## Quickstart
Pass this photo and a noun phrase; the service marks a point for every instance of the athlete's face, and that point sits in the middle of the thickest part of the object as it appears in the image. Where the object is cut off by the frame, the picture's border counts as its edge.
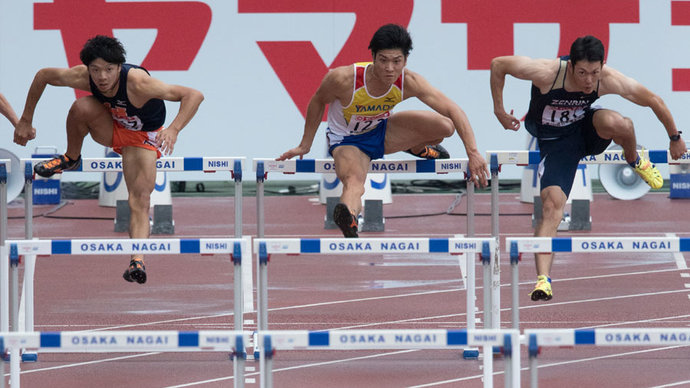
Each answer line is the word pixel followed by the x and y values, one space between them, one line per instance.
pixel 105 75
pixel 586 75
pixel 389 64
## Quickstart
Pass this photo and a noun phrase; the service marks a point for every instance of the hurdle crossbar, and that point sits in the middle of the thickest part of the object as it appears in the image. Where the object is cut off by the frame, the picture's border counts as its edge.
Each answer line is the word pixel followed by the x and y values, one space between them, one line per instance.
pixel 262 166
pixel 343 246
pixel 236 248
pixel 127 341
pixel 516 246
pixel 536 338
pixel 524 158
pixel 509 340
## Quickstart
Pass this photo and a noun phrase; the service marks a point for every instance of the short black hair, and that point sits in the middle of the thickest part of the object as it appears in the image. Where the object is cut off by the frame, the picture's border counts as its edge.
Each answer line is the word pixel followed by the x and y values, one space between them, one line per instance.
pixel 391 36
pixel 587 48
pixel 105 47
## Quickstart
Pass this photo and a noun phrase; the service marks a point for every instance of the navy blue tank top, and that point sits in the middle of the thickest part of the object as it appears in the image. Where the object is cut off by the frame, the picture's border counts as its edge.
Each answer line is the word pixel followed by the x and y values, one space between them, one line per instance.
pixel 558 112
pixel 149 117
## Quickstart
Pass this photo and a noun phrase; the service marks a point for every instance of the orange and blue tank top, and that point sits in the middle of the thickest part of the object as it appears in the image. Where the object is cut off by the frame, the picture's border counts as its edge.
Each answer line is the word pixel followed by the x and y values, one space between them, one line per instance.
pixel 364 112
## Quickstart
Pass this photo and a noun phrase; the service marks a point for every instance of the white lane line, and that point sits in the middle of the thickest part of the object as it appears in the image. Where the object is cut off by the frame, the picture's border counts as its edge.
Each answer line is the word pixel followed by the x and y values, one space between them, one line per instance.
pixel 86 363
pixel 676 384
pixel 678 256
pixel 299 367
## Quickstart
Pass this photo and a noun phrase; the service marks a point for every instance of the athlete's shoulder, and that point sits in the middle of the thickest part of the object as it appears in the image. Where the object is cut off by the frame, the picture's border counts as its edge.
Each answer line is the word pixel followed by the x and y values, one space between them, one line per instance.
pixel 341 76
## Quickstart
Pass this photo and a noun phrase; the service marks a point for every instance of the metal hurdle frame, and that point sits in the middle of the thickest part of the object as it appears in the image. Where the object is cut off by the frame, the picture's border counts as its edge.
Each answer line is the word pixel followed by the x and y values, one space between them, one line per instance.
pixel 536 338
pixel 524 158
pixel 267 246
pixel 5 170
pixel 262 166
pixel 236 247
pixel 509 340
pixel 126 341
pixel 516 246
pixel 114 164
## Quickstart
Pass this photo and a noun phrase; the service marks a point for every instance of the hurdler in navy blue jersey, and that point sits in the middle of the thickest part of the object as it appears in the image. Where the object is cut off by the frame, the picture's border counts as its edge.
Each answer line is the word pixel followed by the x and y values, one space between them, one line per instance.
pixel 149 117
pixel 125 112
pixel 568 128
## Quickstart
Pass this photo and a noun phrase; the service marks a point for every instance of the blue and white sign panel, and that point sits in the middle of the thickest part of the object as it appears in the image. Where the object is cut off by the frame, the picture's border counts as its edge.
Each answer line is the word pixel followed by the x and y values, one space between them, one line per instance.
pixel 8 165
pixel 292 166
pixel 385 339
pixel 600 244
pixel 124 246
pixel 523 158
pixel 611 337
pixel 125 341
pixel 207 164
pixel 373 245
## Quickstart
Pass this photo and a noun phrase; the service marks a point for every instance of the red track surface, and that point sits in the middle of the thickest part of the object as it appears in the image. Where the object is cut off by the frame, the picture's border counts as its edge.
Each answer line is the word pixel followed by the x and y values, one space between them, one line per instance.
pixel 191 292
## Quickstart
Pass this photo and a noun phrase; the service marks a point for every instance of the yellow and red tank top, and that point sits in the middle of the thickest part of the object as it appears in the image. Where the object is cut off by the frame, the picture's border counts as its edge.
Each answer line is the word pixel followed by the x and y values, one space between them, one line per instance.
pixel 365 112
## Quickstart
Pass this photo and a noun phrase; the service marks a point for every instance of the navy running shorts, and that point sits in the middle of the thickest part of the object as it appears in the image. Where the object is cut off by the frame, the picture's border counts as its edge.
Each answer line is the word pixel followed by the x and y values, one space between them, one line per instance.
pixel 561 156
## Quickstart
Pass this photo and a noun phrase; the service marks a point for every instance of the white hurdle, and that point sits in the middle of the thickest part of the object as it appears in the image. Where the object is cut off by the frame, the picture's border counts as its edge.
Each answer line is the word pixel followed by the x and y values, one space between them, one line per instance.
pixel 262 166
pixel 339 246
pixel 233 165
pixel 523 158
pixel 516 246
pixel 509 340
pixel 237 248
pixel 536 338
pixel 126 341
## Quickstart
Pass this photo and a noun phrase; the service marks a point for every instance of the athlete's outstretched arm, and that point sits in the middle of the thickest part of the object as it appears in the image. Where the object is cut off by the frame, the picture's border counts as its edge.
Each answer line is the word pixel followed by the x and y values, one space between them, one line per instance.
pixel 539 71
pixel 327 92
pixel 418 86
pixel 76 77
pixel 614 82
pixel 141 87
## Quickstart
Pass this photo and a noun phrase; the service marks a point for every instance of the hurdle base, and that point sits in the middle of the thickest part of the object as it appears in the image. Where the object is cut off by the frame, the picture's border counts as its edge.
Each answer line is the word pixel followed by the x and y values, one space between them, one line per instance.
pixel 29 357
pixel 470 354
pixel 373 216
pixel 121 216
pixel 579 220
pixel 328 222
pixel 163 222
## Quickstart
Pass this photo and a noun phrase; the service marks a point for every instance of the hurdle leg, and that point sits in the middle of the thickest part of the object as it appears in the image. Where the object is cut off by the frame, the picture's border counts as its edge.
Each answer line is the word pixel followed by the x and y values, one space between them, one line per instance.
pixel 470 209
pixel 4 260
pixel 471 285
pixel 486 267
pixel 14 367
pixel 237 292
pixel 470 352
pixel 239 359
pixel 238 200
pixel 495 282
pixel 488 366
pixel 5 287
pixel 14 285
pixel 260 199
pixel 514 287
pixel 28 292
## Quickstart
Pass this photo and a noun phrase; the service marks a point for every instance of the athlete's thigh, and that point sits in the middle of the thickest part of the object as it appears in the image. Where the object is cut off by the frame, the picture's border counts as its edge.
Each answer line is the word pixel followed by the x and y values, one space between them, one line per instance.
pixel 413 127
pixel 139 169
pixel 350 163
pixel 90 112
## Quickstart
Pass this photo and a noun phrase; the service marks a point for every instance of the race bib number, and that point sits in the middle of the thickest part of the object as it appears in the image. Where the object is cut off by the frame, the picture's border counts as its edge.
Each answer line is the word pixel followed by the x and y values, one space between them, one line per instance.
pixel 133 123
pixel 363 124
pixel 562 116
